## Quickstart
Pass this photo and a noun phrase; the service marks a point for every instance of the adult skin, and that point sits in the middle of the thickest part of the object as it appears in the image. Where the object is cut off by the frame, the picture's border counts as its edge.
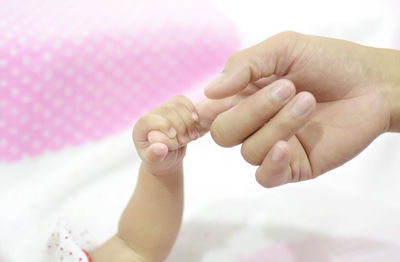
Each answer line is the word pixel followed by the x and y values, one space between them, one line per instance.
pixel 319 103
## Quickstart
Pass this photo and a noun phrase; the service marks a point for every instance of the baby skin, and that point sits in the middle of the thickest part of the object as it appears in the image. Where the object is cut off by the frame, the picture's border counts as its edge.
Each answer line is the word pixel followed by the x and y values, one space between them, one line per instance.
pixel 150 223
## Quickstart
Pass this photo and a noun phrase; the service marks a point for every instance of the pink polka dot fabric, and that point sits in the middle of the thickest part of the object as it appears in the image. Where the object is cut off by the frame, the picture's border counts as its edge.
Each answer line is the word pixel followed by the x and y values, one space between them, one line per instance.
pixel 73 71
pixel 68 245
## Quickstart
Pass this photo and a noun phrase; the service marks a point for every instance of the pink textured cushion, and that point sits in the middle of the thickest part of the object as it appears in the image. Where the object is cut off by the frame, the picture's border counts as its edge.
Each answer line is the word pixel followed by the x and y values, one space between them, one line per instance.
pixel 72 71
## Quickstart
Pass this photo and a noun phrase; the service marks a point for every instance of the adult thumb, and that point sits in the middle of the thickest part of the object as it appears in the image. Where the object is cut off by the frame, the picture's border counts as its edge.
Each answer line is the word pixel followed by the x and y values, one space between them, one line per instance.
pixel 270 57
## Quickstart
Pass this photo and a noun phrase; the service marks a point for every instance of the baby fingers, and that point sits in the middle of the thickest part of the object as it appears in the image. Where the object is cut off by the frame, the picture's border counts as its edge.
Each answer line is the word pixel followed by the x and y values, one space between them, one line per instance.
pixel 155 152
pixel 174 124
pixel 182 115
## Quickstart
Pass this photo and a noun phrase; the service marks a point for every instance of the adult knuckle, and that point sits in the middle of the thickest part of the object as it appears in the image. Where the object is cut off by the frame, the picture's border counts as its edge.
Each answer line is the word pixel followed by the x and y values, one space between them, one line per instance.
pixel 247 61
pixel 254 66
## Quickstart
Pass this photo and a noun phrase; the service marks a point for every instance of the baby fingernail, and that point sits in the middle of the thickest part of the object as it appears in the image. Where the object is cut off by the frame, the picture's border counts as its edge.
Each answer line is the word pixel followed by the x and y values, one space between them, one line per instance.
pixel 195 116
pixel 281 92
pixel 172 132
pixel 303 105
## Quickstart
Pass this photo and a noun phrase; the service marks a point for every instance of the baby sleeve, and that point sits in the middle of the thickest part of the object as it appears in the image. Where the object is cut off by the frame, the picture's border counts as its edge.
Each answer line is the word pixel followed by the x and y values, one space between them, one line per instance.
pixel 63 245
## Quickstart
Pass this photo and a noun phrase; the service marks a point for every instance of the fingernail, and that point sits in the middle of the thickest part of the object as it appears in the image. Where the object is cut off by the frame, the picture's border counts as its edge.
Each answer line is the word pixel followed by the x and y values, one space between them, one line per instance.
pixel 172 132
pixel 277 155
pixel 195 116
pixel 303 105
pixel 281 92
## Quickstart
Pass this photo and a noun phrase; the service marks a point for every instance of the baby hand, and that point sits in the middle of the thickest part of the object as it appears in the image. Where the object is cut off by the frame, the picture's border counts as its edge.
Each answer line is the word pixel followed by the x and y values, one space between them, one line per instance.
pixel 160 136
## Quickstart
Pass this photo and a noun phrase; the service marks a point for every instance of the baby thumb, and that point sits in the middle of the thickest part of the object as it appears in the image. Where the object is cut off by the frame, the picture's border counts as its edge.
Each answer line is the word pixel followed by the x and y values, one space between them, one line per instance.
pixel 156 152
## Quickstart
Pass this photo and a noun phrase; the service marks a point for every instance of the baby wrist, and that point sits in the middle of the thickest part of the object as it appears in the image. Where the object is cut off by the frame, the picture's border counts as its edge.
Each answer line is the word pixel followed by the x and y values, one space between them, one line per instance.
pixel 163 169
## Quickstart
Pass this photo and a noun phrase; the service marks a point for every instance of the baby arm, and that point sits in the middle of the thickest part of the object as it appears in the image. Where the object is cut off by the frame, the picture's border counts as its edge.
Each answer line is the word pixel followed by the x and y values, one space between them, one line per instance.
pixel 150 223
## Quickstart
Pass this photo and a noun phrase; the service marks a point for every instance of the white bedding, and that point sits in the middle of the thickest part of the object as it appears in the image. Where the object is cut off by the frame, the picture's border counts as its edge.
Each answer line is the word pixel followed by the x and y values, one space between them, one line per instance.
pixel 350 214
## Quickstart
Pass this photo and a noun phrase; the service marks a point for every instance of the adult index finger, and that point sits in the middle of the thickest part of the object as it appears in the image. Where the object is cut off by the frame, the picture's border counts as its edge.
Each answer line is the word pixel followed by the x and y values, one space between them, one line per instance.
pixel 235 125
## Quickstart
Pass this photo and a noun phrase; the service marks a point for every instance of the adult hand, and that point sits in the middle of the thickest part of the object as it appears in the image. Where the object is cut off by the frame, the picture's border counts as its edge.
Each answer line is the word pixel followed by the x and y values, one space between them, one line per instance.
pixel 320 102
